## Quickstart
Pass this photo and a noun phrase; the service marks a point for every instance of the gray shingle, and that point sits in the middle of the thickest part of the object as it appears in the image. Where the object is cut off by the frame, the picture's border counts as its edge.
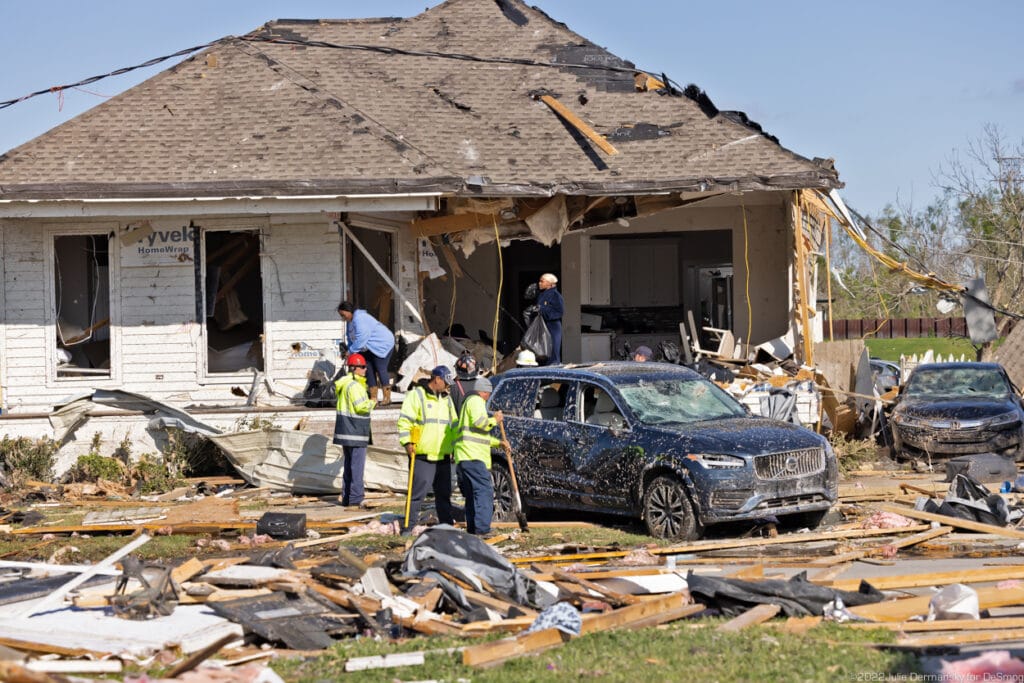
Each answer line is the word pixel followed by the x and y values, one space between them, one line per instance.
pixel 252 117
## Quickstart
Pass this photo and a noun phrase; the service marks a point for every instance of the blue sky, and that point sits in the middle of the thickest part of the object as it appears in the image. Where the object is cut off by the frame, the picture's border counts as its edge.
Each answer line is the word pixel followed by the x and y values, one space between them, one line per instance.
pixel 888 89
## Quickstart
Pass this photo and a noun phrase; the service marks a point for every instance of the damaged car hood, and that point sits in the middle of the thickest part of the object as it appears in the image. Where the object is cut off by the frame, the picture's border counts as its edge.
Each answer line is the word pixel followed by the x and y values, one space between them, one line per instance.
pixel 960 408
pixel 740 436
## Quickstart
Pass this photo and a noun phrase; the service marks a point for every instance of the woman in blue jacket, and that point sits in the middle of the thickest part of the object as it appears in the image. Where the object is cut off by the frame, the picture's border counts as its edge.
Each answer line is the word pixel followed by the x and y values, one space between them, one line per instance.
pixel 371 338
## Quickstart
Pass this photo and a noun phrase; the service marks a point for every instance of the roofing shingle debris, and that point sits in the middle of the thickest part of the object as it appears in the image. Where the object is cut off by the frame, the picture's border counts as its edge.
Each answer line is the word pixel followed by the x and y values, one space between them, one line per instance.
pixel 399 105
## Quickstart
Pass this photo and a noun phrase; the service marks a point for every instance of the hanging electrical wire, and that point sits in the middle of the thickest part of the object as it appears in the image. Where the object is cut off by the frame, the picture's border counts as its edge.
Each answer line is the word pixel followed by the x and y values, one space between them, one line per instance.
pixel 117 72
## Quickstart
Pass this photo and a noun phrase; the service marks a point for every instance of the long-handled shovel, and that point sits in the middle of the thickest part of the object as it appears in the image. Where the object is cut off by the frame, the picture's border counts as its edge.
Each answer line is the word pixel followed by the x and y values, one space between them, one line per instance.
pixel 517 504
pixel 414 439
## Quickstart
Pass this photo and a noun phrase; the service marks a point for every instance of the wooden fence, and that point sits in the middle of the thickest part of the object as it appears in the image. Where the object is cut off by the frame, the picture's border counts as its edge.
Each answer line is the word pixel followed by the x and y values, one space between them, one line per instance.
pixel 897 328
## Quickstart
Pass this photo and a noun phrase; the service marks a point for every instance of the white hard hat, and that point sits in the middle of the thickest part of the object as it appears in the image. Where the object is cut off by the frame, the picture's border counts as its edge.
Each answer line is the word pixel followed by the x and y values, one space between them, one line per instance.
pixel 526 358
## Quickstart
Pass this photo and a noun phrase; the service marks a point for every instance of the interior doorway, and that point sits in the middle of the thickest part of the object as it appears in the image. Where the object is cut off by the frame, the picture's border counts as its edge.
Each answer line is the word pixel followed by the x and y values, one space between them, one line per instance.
pixel 233 300
pixel 364 286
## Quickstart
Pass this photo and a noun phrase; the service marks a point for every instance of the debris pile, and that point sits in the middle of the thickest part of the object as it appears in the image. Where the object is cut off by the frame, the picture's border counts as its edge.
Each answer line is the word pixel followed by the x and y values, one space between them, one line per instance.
pixel 243 598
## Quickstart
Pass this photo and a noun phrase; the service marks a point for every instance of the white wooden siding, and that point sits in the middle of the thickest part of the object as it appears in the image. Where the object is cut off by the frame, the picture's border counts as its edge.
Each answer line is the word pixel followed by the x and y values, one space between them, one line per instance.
pixel 160 344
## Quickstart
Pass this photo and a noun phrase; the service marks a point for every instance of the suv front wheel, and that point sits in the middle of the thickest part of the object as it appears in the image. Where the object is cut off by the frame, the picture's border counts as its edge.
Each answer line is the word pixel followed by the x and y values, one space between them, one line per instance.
pixel 502 480
pixel 667 511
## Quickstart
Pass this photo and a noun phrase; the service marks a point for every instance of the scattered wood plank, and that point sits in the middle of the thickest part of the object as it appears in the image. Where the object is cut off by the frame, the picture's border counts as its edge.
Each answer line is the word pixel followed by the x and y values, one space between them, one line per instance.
pixel 643 614
pixel 384 661
pixel 197 658
pixel 579 124
pixel 187 570
pixel 966 576
pixel 752 617
pixel 876 550
pixel 903 609
pixel 952 521
pixel 478 599
pixel 963 638
pixel 754 571
pixel 990 624
pixel 494 653
pixel 614 596
pixel 725 544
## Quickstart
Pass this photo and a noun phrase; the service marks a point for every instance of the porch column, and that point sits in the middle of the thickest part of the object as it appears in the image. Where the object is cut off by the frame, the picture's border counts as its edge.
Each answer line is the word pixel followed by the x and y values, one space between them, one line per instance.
pixel 572 286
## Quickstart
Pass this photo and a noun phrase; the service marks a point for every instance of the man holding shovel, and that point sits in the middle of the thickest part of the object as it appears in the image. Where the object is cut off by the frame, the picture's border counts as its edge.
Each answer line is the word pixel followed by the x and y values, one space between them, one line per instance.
pixel 473 444
pixel 425 431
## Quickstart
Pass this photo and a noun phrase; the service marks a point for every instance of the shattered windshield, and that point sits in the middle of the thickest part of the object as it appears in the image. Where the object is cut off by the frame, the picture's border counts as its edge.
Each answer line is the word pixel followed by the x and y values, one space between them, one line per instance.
pixel 672 401
pixel 961 382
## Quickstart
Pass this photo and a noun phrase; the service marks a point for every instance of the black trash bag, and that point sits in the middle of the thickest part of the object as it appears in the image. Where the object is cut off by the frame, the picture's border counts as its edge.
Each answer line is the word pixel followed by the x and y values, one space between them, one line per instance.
pixel 538 339
pixel 969 499
pixel 669 352
pixel 530 313
pixel 797 597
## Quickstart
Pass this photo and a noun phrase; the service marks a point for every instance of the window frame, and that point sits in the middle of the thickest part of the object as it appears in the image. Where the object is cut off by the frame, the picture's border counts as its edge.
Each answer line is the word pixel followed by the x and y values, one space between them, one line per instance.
pixel 261 226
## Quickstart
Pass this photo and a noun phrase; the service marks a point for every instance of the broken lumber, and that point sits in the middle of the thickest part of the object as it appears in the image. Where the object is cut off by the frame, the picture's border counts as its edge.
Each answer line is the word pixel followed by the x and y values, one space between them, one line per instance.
pixel 876 550
pixel 752 617
pixel 384 661
pixel 963 638
pixel 58 595
pixel 990 624
pixel 579 124
pixel 966 576
pixel 726 544
pixel 904 608
pixel 952 521
pixel 643 614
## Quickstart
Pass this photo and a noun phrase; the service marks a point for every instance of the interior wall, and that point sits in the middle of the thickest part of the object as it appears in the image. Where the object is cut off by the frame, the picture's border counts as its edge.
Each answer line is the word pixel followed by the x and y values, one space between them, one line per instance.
pixel 767 242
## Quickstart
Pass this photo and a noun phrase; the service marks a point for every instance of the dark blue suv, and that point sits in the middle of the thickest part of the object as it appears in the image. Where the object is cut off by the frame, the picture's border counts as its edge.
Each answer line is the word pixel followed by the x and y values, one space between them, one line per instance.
pixel 658 442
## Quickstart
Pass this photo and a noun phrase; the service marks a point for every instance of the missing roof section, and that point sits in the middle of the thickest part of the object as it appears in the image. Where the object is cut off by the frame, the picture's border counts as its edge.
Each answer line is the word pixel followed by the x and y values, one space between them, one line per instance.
pixel 590 54
pixel 711 111
pixel 641 131
pixel 512 13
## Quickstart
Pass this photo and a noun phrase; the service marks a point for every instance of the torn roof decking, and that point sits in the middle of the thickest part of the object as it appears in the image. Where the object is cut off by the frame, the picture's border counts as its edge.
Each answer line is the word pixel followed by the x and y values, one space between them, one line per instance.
pixel 251 117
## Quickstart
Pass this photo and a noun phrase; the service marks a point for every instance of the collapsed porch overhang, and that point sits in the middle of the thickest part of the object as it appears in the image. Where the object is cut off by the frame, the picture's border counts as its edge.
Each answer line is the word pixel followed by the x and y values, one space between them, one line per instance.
pixel 224 205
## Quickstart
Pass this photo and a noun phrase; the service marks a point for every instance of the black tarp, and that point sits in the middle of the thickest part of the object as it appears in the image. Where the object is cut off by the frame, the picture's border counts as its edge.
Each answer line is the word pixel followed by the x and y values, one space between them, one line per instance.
pixel 797 597
pixel 444 548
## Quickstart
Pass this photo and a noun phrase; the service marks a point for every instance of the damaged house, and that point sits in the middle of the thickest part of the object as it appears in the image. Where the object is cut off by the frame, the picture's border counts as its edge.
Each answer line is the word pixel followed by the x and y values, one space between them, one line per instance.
pixel 190 238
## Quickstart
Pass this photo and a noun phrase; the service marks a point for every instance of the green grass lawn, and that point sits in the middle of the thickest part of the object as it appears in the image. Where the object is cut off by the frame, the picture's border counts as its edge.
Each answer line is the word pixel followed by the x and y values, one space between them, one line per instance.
pixel 891 349
pixel 677 652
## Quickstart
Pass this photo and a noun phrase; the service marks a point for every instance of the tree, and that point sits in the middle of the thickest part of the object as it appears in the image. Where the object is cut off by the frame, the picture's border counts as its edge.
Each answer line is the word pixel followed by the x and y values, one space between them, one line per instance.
pixel 975 228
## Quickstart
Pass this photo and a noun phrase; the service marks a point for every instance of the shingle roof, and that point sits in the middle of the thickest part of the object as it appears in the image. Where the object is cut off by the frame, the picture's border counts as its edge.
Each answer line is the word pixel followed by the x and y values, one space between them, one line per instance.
pixel 248 116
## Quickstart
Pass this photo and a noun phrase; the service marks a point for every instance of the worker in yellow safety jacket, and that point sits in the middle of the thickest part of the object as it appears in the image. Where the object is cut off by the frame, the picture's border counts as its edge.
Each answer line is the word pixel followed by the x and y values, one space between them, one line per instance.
pixel 473 444
pixel 425 427
pixel 352 427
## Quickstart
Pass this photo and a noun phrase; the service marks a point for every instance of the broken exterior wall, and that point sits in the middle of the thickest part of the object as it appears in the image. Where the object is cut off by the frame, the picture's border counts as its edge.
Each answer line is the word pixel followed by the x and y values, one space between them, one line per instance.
pixel 768 251
pixel 157 346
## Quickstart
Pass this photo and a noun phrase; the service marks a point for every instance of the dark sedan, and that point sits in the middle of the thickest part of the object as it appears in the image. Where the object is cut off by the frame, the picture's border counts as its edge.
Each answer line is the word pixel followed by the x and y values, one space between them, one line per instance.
pixel 950 409
pixel 658 442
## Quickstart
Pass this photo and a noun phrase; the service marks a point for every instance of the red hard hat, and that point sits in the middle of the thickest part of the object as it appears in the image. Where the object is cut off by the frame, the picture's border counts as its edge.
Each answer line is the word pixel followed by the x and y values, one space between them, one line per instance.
pixel 356 360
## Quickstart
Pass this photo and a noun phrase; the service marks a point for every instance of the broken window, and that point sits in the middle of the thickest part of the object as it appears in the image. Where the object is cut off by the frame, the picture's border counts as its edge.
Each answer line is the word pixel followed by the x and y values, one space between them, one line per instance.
pixel 233 299
pixel 551 401
pixel 81 265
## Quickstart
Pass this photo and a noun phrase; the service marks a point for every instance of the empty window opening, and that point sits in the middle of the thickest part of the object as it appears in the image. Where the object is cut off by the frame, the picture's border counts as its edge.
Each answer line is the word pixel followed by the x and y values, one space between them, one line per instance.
pixel 82 305
pixel 367 289
pixel 234 301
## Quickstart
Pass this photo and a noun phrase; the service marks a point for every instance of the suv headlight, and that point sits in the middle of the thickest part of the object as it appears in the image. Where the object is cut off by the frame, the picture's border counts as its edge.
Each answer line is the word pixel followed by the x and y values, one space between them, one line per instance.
pixel 1005 419
pixel 717 461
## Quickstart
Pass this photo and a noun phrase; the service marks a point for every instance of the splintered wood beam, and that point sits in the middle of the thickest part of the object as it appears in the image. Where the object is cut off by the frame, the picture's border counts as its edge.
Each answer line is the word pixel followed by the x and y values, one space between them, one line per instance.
pixel 457 222
pixel 955 522
pixel 579 124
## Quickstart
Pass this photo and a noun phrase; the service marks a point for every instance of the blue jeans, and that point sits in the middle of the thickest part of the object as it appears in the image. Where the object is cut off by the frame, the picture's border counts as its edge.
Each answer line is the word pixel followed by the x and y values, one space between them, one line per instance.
pixel 478 490
pixel 352 479
pixel 377 370
pixel 555 329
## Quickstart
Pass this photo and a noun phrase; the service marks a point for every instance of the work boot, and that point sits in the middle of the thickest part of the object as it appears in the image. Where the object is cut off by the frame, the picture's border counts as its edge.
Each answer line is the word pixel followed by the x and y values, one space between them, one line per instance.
pixel 387 396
